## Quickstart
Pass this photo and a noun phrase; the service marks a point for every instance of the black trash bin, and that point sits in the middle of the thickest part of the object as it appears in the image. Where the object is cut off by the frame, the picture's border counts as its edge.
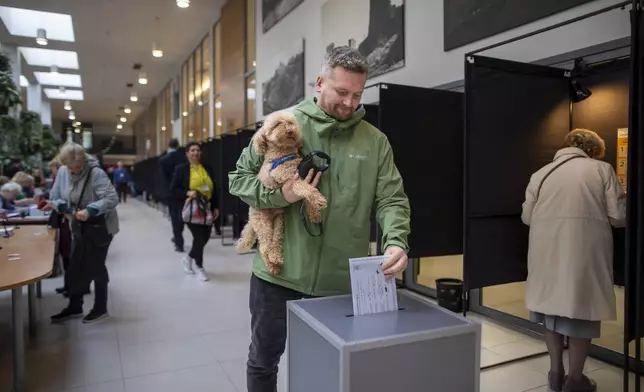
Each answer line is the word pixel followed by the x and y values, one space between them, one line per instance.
pixel 449 292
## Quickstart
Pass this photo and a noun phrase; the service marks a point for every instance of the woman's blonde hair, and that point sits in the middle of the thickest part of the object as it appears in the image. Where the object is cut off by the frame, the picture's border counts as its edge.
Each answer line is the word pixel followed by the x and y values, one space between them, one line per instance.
pixel 71 152
pixel 587 141
pixel 23 179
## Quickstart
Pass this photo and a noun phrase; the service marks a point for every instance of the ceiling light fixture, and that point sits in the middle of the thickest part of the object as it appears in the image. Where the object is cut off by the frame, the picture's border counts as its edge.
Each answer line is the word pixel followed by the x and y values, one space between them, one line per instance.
pixel 156 52
pixel 218 105
pixel 62 90
pixel 123 119
pixel 163 128
pixel 72 115
pixel 133 96
pixel 119 126
pixel 54 70
pixel 183 3
pixel 68 105
pixel 185 114
pixel 191 134
pixel 127 109
pixel 143 78
pixel 41 37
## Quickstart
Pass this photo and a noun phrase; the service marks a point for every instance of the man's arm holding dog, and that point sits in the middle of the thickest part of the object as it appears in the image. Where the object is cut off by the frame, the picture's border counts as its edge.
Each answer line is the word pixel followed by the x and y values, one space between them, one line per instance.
pixel 243 182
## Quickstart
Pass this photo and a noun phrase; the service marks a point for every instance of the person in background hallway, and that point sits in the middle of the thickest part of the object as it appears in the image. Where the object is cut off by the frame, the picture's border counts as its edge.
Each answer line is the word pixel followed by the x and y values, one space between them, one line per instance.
pixel 188 179
pixel 91 207
pixel 168 164
pixel 121 181
pixel 570 206
pixel 319 266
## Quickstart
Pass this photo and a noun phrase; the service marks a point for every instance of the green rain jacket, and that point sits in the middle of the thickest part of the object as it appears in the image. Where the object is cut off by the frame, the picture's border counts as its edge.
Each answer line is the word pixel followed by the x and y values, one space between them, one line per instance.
pixel 362 175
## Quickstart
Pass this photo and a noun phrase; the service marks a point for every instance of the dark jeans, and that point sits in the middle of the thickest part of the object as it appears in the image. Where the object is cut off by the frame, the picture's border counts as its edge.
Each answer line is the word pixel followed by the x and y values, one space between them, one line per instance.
pixel 122 191
pixel 267 305
pixel 200 237
pixel 174 209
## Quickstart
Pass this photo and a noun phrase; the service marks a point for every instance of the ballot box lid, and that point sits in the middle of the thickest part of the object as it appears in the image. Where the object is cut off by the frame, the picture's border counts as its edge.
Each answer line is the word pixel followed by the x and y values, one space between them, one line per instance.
pixel 416 319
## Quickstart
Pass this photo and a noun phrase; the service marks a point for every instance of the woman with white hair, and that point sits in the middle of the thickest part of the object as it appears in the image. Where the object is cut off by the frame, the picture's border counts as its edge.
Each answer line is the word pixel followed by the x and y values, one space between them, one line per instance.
pixel 570 206
pixel 8 194
pixel 90 205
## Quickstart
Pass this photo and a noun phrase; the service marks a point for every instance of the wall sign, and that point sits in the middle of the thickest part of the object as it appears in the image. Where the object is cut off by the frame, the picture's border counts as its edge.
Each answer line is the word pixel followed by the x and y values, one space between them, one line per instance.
pixel 622 156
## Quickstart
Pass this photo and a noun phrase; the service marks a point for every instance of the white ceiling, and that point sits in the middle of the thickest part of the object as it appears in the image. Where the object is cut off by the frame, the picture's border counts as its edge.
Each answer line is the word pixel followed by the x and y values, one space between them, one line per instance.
pixel 110 37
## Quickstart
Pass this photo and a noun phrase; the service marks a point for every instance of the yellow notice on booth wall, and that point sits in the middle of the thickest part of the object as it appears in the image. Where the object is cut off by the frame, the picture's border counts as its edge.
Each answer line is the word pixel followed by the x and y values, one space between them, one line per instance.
pixel 622 156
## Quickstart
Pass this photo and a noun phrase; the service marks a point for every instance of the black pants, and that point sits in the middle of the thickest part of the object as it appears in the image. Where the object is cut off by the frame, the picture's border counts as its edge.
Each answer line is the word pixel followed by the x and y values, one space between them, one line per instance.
pixel 200 237
pixel 122 191
pixel 93 268
pixel 174 209
pixel 267 305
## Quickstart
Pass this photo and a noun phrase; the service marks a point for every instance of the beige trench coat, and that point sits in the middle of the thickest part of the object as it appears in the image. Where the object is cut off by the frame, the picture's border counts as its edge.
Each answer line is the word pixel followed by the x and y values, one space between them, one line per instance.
pixel 570 258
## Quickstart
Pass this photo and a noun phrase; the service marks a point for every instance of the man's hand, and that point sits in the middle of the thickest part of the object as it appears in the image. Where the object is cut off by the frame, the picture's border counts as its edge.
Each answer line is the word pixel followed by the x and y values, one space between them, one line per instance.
pixel 191 194
pixel 287 188
pixel 397 261
pixel 82 215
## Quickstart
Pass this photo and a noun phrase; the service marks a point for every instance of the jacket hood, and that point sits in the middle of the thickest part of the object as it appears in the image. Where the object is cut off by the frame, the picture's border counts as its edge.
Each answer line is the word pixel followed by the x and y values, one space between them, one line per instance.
pixel 310 108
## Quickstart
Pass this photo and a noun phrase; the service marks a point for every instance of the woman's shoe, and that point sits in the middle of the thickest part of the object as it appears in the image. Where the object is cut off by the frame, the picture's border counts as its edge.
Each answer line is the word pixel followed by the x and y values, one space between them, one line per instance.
pixel 201 274
pixel 555 381
pixel 187 264
pixel 583 385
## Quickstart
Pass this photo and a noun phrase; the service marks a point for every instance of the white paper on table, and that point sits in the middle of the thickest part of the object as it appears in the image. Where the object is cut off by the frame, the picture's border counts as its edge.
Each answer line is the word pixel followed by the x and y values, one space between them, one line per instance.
pixel 371 291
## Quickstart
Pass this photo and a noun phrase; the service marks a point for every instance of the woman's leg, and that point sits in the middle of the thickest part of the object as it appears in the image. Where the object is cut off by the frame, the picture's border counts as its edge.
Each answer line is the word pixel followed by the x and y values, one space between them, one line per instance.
pixel 578 351
pixel 101 279
pixel 200 237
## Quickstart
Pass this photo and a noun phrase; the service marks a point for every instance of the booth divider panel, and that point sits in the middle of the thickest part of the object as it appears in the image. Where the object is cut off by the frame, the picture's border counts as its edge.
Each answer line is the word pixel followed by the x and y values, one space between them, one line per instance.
pixel 425 129
pixel 229 156
pixel 517 118
pixel 243 140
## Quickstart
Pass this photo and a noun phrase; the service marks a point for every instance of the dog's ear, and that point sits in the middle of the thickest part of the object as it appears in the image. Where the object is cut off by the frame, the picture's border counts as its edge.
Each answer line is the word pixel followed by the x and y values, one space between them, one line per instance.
pixel 260 139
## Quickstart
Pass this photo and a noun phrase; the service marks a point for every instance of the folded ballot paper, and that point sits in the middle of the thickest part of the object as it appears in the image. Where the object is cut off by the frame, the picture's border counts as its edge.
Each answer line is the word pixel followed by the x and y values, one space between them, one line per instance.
pixel 371 291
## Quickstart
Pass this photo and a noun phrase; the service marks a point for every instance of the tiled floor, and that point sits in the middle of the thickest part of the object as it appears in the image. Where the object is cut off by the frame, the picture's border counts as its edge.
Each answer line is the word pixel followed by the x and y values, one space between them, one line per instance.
pixel 170 332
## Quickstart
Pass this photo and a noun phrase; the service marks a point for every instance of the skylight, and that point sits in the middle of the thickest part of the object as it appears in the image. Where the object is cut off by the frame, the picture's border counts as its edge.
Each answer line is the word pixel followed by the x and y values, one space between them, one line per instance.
pixel 61 79
pixel 70 95
pixel 25 23
pixel 37 57
pixel 23 81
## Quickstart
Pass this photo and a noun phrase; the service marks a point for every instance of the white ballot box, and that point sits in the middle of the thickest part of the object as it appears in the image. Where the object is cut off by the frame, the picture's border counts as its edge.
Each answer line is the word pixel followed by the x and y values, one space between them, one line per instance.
pixel 420 347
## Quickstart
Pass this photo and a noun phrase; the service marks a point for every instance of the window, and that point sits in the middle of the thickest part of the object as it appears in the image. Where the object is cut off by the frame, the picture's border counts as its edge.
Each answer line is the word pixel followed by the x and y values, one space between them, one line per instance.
pixel 251 63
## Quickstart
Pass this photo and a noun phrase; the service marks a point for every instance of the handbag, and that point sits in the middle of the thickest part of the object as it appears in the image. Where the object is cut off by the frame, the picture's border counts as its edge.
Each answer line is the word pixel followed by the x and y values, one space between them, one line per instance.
pixel 197 211
pixel 94 229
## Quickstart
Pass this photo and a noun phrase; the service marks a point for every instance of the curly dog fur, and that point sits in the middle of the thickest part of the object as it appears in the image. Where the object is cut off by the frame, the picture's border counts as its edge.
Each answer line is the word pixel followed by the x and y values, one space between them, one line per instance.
pixel 278 137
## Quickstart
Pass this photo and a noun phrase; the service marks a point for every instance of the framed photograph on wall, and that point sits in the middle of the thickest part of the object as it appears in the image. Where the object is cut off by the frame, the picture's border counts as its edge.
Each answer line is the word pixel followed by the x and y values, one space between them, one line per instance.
pixel 275 10
pixel 375 27
pixel 285 87
pixel 467 21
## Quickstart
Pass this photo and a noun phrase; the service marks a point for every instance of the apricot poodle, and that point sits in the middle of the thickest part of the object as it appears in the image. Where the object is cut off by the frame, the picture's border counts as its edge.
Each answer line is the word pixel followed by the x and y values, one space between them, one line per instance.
pixel 278 141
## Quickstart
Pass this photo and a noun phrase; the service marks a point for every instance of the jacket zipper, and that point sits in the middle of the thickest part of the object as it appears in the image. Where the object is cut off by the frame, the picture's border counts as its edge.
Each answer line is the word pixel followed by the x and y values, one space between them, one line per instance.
pixel 334 133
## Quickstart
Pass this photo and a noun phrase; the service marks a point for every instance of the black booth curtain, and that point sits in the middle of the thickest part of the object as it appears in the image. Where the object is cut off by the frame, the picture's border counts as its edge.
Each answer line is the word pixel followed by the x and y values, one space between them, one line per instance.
pixel 517 117
pixel 425 130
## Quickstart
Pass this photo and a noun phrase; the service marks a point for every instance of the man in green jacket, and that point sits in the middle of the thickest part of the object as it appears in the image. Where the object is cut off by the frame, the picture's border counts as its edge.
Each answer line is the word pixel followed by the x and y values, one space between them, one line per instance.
pixel 362 176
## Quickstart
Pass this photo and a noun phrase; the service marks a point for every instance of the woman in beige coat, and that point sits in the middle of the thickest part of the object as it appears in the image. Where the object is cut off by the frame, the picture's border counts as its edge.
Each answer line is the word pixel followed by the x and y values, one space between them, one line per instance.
pixel 570 206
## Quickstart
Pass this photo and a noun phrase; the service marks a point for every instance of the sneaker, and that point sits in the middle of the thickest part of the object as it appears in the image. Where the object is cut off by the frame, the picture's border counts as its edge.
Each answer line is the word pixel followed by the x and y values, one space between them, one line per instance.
pixel 187 264
pixel 66 314
pixel 95 316
pixel 201 274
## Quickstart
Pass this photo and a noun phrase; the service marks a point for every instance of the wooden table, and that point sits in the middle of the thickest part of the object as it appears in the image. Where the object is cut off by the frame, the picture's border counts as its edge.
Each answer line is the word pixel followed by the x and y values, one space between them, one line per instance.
pixel 34 246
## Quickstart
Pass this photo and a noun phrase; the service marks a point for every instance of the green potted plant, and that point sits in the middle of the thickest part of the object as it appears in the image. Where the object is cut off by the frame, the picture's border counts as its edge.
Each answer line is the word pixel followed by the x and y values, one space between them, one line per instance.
pixel 9 93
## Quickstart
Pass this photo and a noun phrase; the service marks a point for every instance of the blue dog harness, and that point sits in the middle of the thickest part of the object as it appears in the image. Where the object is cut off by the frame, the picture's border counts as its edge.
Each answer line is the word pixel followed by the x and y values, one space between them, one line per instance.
pixel 283 159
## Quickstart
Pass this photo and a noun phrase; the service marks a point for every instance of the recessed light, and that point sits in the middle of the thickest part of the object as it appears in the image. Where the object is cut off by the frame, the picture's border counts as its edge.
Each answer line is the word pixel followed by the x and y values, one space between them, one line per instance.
pixel 40 57
pixel 67 106
pixel 119 126
pixel 127 109
pixel 143 78
pixel 163 128
pixel 218 105
pixel 183 3
pixel 25 23
pixel 123 119
pixel 190 134
pixel 133 96
pixel 59 79
pixel 156 51
pixel 72 95
pixel 185 114
pixel 72 115
pixel 219 123
pixel 41 37
pixel 53 70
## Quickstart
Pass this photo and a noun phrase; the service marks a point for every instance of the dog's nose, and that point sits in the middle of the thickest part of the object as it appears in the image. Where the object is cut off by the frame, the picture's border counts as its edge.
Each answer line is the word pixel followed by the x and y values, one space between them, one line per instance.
pixel 289 132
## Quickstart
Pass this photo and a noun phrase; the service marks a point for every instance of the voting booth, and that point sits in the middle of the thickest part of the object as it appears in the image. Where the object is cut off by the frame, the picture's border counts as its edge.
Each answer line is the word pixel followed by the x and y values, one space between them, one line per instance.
pixel 419 345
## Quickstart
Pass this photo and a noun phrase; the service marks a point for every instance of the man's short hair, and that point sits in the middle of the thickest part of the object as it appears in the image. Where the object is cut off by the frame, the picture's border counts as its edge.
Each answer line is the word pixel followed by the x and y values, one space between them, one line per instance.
pixel 347 58
pixel 174 143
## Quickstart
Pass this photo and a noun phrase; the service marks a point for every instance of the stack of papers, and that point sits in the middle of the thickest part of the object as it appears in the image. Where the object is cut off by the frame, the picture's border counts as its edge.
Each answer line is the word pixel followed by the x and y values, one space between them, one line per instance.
pixel 371 291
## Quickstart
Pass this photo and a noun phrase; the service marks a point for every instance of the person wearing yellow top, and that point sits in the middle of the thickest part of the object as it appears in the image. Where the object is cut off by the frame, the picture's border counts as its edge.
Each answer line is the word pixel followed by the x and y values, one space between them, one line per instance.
pixel 187 180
